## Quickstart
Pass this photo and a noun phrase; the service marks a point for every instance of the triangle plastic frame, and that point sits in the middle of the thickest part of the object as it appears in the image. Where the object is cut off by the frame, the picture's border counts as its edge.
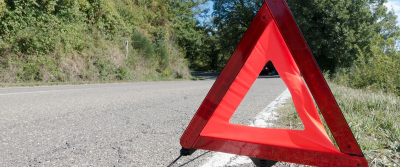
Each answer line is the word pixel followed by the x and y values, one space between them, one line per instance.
pixel 279 34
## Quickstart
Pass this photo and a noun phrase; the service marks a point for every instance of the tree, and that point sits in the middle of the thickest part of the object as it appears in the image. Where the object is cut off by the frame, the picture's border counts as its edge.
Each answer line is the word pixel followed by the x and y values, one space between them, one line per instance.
pixel 190 36
pixel 231 20
pixel 332 28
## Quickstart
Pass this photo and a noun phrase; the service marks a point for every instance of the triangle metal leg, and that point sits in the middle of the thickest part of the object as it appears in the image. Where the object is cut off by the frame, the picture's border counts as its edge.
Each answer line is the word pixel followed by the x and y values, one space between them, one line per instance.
pixel 187 152
pixel 263 162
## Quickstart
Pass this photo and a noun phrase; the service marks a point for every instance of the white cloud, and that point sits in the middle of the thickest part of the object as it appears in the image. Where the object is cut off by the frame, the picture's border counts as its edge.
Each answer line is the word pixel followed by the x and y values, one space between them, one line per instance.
pixel 395 5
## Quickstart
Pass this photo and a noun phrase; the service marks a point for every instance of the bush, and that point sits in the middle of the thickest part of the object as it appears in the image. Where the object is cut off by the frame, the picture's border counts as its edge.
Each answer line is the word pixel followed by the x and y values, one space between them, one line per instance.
pixel 143 44
pixel 163 55
pixel 122 73
pixel 84 40
pixel 378 70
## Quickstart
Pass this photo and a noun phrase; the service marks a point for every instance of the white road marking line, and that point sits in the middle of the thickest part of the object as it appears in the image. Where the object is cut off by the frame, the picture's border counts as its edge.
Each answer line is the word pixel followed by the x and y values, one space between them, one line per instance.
pixel 120 85
pixel 261 120
pixel 59 90
pixel 44 91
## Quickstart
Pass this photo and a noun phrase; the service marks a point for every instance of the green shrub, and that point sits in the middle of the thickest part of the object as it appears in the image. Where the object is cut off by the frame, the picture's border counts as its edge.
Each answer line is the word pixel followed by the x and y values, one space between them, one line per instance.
pixel 84 40
pixel 379 70
pixel 122 73
pixel 143 44
pixel 2 7
pixel 163 55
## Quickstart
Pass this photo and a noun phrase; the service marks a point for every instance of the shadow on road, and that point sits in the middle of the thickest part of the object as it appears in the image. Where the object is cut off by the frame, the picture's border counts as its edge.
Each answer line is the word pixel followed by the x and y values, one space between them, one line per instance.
pixel 205 75
pixel 268 76
pixel 191 160
pixel 194 158
pixel 214 75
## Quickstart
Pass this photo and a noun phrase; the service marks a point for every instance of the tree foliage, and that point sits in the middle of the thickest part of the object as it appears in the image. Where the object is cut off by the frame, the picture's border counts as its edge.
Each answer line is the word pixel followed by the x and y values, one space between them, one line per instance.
pixel 355 38
pixel 332 28
pixel 231 19
pixel 190 35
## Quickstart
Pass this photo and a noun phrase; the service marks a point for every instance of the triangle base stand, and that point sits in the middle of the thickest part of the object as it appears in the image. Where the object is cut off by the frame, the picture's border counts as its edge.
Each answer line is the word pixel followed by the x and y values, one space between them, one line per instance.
pixel 263 162
pixel 257 161
pixel 187 152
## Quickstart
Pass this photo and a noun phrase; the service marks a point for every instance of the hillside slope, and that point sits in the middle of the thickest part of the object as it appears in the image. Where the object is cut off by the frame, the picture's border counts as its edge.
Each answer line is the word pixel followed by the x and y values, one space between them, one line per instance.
pixel 85 40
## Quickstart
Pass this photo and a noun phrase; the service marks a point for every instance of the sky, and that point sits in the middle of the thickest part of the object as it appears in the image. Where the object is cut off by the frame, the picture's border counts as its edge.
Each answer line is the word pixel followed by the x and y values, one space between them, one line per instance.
pixel 208 5
pixel 395 5
pixel 392 4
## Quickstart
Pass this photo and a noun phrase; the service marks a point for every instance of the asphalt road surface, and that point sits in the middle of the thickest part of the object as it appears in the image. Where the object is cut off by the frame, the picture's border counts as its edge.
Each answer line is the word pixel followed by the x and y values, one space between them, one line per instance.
pixel 127 124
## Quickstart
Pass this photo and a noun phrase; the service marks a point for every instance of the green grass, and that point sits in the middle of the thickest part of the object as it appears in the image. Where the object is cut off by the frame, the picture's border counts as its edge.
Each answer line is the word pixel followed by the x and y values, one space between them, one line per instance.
pixel 194 78
pixel 373 117
pixel 149 79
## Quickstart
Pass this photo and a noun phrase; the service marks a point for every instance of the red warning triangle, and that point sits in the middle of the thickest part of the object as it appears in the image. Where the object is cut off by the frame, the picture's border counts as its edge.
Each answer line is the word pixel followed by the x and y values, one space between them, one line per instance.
pixel 274 35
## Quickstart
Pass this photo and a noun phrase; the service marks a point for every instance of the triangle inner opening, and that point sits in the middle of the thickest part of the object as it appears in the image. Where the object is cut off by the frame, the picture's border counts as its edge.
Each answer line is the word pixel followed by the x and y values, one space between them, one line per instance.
pixel 262 107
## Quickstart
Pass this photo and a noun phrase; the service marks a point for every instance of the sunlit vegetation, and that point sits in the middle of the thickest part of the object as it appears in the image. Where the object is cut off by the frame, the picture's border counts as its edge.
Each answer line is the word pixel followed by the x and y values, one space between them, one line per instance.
pixel 372 116
pixel 85 40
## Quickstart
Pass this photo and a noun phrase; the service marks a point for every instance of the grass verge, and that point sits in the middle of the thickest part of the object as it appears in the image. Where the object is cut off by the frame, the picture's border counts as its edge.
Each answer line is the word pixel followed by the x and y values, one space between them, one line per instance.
pixel 153 79
pixel 373 117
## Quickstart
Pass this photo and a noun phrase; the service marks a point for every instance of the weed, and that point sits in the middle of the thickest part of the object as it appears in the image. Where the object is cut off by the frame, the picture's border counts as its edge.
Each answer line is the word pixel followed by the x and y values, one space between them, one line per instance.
pixel 85 41
pixel 373 118
pixel 122 73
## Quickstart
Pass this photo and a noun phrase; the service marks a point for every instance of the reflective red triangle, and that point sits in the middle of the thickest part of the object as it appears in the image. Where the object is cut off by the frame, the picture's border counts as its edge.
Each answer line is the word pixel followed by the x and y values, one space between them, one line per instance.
pixel 267 39
pixel 270 47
